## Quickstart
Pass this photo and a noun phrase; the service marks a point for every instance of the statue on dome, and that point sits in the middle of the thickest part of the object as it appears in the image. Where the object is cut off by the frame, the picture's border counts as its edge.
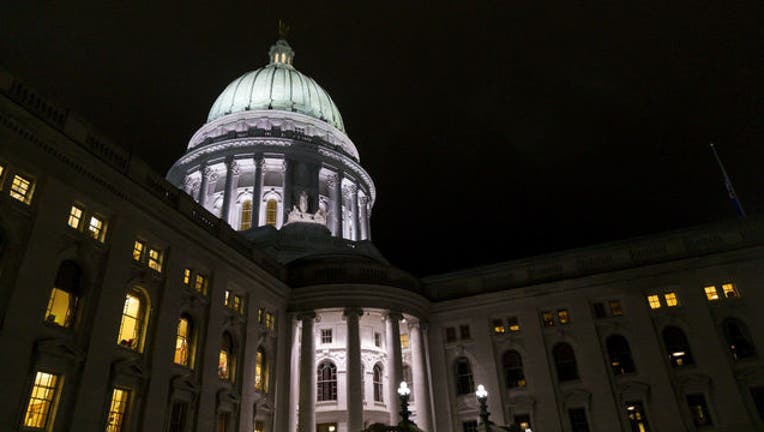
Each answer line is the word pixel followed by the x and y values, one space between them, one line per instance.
pixel 299 213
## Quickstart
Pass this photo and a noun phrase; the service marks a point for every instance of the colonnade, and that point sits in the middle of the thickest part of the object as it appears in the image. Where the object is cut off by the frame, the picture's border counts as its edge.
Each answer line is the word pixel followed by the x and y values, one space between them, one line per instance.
pixel 306 417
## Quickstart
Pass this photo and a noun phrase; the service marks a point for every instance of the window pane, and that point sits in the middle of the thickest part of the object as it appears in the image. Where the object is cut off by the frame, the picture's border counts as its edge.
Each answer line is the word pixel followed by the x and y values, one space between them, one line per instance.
pixel 21 189
pixel 271 212
pixel 132 322
pixel 182 342
pixel 246 215
pixel 513 323
pixel 711 293
pixel 654 301
pixel 60 308
pixel 729 290
pixel 563 316
pixel 548 319
pixel 498 326
pixel 615 308
pixel 699 410
pixel 117 410
pixel 223 362
pixel 75 216
pixel 404 340
pixel 187 277
pixel 671 299
pixel 138 247
pixel 96 228
pixel 155 259
pixel 41 400
pixel 464 331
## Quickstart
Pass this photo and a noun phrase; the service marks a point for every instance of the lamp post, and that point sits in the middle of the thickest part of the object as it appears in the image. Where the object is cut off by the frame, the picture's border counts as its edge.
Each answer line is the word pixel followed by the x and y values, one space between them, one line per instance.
pixel 482 397
pixel 403 393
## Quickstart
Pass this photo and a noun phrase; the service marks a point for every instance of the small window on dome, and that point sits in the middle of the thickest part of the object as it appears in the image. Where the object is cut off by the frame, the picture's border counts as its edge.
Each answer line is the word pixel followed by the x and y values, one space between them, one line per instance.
pixel 283 57
pixel 271 212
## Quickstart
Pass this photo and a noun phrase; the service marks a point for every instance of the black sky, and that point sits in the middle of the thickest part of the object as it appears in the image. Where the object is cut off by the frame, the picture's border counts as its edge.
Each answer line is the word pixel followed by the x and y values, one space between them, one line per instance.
pixel 493 130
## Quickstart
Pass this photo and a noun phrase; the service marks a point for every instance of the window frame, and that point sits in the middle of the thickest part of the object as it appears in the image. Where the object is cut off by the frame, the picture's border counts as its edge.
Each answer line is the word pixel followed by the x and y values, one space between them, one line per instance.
pixel 25 196
pixel 51 402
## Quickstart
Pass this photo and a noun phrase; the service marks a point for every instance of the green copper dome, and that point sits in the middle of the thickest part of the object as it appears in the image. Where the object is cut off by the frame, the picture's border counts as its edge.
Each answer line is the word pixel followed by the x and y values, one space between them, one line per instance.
pixel 277 86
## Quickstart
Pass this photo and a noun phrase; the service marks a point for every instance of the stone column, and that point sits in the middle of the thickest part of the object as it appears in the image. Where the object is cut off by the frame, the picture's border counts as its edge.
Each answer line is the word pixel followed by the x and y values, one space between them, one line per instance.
pixel 231 183
pixel 354 210
pixel 354 381
pixel 306 421
pixel 287 172
pixel 394 363
pixel 419 375
pixel 257 190
pixel 207 174
pixel 363 218
pixel 335 198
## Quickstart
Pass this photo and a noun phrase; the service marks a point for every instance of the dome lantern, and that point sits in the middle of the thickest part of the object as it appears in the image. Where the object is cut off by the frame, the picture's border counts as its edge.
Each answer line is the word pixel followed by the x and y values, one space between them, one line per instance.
pixel 281 53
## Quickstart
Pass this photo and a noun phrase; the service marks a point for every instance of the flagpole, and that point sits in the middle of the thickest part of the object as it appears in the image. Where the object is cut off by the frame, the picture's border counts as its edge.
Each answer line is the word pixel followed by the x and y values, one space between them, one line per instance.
pixel 728 184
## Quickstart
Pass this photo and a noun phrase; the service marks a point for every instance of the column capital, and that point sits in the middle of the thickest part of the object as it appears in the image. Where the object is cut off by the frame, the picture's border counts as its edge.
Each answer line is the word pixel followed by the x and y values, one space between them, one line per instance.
pixel 307 315
pixel 352 311
pixel 394 315
pixel 332 179
pixel 350 188
pixel 233 167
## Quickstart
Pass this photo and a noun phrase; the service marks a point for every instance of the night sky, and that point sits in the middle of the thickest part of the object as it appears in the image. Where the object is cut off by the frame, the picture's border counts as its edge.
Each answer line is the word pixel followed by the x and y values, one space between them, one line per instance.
pixel 493 130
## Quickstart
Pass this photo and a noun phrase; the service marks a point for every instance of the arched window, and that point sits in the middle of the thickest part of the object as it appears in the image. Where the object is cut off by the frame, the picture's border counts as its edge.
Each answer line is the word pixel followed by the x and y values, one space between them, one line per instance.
pixel 226 358
pixel 738 339
pixel 261 371
pixel 565 362
pixel 677 347
pixel 62 304
pixel 327 381
pixel 619 353
pixel 378 393
pixel 463 375
pixel 271 212
pixel 512 363
pixel 183 341
pixel 246 215
pixel 409 380
pixel 134 318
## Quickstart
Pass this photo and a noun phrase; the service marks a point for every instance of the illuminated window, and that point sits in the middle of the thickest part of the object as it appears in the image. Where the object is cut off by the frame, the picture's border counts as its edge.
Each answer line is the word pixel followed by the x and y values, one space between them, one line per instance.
pixel 677 347
pixel 404 340
pixel 2 171
pixel 464 331
pixel 233 302
pixel 654 301
pixel 260 315
pixel 117 410
pixel 565 362
pixel 729 290
pixel 40 407
pixel 138 248
pixel 450 334
pixel 635 412
pixel 225 358
pixel 498 326
pixel 547 318
pixel 463 376
pixel 270 321
pixel 187 277
pixel 75 217
pixel 261 371
pixel 619 353
pixel 615 308
pixel 200 284
pixel 513 323
pixel 155 260
pixel 377 381
pixel 271 212
pixel 711 294
pixel 62 303
pixel 512 363
pixel 327 381
pixel 671 299
pixel 133 321
pixel 701 416
pixel 326 336
pixel 183 346
pixel 21 189
pixel 378 339
pixel 246 215
pixel 97 228
pixel 563 316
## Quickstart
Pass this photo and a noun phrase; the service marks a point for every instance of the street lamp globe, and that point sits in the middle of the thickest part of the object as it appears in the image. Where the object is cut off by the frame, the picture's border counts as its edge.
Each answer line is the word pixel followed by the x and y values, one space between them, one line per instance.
pixel 481 392
pixel 403 389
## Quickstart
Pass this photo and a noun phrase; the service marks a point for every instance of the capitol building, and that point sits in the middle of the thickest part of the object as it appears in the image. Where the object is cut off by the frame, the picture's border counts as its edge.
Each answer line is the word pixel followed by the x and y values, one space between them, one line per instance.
pixel 242 291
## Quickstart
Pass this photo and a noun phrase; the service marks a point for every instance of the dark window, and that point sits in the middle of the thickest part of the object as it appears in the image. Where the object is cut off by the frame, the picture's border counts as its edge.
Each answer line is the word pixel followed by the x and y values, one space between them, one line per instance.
pixel 470 426
pixel 565 362
pixel 523 421
pixel 547 318
pixel 757 394
pixel 699 410
pixel 738 339
pixel 677 347
pixel 222 423
pixel 178 417
pixel 450 334
pixel 512 364
pixel 464 331
pixel 635 413
pixel 463 375
pixel 327 381
pixel 615 308
pixel 619 353
pixel 599 310
pixel 378 383
pixel 578 421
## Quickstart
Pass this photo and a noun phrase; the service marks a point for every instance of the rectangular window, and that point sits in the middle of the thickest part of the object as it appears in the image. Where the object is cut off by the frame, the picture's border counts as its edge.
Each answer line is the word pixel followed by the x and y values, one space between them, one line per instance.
pixel 270 321
pixel 117 410
pixel 547 318
pixel 599 310
pixel 155 260
pixel 138 248
pixel 699 410
pixel 233 302
pixel 41 402
pixel 635 413
pixel 513 323
pixel 200 284
pixel 97 228
pixel 378 339
pixel 75 217
pixel 60 307
pixel 729 290
pixel 671 299
pixel 711 294
pixel 615 308
pixel 563 316
pixel 470 426
pixel 187 277
pixel 21 189
pixel 260 315
pixel 450 334
pixel 326 336
pixel 404 340
pixel 578 420
pixel 464 332
pixel 498 326
pixel 654 301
